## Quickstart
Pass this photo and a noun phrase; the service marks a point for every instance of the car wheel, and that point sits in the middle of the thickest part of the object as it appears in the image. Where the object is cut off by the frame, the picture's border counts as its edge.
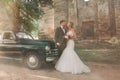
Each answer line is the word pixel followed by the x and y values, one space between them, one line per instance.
pixel 33 60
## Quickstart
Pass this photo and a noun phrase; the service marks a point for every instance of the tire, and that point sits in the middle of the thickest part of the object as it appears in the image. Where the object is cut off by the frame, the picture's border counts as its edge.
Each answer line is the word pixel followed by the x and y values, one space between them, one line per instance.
pixel 33 60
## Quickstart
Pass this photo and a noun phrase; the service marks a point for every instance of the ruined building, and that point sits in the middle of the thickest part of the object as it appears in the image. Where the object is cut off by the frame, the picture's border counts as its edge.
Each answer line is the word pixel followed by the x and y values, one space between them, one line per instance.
pixel 94 19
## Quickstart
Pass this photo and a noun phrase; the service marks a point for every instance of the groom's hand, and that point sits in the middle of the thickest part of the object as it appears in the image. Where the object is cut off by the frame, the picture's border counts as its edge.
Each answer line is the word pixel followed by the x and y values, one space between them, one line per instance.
pixel 58 44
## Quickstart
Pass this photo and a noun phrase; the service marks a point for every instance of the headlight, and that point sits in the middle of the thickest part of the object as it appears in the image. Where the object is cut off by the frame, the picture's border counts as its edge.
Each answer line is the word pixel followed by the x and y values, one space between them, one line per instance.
pixel 47 48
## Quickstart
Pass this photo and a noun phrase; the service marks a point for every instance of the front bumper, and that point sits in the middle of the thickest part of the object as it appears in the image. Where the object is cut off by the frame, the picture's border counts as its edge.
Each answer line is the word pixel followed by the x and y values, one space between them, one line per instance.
pixel 51 55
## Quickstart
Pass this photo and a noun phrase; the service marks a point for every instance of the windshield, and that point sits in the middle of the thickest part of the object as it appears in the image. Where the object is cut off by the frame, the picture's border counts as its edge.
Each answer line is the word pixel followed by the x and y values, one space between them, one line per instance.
pixel 23 35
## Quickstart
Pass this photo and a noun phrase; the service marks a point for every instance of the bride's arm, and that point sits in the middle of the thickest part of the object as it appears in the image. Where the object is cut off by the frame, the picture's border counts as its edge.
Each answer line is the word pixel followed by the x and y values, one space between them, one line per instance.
pixel 74 34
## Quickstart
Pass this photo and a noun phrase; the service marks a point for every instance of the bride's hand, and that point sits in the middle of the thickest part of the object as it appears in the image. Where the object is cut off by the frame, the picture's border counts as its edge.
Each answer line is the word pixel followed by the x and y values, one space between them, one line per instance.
pixel 66 36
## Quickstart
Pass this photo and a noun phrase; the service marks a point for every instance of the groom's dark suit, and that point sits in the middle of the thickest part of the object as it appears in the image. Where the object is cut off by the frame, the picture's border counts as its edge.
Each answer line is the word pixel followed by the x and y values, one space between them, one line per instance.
pixel 59 38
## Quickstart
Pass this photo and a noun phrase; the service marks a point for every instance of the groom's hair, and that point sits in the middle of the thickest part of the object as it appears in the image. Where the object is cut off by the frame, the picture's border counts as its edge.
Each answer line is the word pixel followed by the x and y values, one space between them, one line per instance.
pixel 62 21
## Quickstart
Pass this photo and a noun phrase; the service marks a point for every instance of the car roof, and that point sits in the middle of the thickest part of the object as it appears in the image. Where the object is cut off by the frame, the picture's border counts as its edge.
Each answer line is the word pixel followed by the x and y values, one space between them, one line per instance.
pixel 11 31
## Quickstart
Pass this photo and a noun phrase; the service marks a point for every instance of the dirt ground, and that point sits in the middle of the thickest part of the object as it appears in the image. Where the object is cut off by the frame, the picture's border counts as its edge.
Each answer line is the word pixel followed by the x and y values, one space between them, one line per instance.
pixel 14 70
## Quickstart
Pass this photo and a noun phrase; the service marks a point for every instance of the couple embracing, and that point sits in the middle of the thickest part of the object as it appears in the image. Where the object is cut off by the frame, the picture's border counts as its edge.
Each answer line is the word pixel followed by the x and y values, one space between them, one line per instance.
pixel 69 61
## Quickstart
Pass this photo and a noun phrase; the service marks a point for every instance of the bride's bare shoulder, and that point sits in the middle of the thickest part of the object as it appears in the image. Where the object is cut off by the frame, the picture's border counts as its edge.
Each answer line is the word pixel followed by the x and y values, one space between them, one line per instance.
pixel 72 30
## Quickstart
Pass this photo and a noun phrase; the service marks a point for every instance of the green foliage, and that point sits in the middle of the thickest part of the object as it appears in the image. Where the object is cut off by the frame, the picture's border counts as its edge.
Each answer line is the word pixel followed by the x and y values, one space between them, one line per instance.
pixel 27 13
pixel 30 11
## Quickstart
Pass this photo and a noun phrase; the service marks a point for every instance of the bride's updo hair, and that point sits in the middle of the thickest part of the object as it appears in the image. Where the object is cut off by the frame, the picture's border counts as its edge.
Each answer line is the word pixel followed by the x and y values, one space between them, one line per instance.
pixel 71 24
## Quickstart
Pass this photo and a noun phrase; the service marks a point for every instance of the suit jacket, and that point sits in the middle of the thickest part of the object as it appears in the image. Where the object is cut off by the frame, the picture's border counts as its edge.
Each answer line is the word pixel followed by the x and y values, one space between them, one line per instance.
pixel 59 36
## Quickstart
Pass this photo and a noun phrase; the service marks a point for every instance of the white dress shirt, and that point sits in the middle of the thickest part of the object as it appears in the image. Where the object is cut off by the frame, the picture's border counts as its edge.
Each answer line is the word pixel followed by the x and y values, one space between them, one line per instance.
pixel 63 29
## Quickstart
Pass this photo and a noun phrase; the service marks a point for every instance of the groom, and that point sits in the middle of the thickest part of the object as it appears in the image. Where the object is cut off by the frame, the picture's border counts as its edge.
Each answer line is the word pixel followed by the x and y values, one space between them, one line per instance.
pixel 60 36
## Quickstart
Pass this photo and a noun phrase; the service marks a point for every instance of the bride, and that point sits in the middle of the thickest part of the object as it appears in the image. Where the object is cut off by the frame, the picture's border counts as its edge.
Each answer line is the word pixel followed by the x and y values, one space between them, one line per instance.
pixel 69 60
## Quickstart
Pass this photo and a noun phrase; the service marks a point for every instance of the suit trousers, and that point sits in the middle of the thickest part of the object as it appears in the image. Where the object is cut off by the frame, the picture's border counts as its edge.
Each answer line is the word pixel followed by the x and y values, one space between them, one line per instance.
pixel 61 48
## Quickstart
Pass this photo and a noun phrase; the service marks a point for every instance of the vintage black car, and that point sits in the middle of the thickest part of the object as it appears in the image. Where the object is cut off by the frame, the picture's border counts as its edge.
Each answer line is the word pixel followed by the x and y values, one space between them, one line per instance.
pixel 34 52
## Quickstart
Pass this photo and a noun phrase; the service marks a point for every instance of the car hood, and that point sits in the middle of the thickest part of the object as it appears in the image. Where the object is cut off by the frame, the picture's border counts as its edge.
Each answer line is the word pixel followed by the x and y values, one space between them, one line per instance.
pixel 36 42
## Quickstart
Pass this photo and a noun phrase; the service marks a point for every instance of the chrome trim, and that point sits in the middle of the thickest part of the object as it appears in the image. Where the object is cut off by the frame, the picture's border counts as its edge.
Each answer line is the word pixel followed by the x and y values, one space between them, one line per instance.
pixel 52 52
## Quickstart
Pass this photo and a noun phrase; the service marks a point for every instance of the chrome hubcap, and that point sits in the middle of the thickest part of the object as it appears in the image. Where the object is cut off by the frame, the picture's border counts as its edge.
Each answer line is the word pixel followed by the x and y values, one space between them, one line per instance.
pixel 32 60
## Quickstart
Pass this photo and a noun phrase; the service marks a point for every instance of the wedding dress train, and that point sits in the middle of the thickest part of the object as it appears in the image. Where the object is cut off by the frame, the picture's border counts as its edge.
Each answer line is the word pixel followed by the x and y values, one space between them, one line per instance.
pixel 70 61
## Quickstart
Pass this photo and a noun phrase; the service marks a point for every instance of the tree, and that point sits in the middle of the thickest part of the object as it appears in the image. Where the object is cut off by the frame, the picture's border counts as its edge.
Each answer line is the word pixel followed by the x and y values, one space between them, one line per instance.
pixel 30 11
pixel 27 12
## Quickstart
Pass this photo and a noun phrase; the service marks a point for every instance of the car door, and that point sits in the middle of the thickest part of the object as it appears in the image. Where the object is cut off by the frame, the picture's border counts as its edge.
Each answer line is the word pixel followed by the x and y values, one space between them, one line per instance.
pixel 8 44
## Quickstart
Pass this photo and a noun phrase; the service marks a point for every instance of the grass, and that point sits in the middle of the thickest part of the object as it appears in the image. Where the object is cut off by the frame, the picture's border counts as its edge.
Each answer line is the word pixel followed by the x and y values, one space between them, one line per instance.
pixel 99 55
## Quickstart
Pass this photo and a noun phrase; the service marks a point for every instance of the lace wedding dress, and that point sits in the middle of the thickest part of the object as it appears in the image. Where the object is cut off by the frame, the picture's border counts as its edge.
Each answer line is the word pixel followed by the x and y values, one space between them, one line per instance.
pixel 70 61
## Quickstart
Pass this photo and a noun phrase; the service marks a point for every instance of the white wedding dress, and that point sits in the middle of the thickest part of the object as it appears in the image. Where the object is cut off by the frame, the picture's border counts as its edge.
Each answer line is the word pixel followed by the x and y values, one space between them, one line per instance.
pixel 70 61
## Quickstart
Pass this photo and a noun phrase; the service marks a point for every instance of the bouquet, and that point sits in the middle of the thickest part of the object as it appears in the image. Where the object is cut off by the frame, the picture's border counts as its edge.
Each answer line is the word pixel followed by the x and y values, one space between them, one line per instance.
pixel 68 35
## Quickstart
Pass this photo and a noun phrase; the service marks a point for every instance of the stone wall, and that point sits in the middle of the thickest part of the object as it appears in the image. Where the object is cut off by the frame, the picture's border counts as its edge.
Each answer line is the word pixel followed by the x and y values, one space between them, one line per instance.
pixel 103 19
pixel 52 17
pixel 6 17
pixel 117 16
pixel 46 24
pixel 61 11
pixel 96 14
pixel 100 18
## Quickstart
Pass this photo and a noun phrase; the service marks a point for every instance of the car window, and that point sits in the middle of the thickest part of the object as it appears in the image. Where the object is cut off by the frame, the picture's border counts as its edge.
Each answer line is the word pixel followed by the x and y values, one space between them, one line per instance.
pixel 8 36
pixel 22 35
